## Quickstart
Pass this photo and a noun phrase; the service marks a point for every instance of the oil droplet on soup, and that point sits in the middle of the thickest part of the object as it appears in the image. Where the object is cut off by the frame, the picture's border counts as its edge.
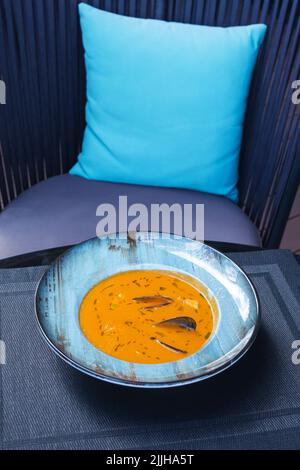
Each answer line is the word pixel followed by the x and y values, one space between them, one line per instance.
pixel 119 316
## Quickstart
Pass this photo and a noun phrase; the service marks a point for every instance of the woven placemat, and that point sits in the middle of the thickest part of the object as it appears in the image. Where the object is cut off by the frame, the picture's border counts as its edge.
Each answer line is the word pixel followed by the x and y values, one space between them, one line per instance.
pixel 45 404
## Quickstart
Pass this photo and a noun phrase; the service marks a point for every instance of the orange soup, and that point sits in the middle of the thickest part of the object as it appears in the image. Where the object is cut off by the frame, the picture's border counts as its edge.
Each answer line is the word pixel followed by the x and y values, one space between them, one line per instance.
pixel 121 316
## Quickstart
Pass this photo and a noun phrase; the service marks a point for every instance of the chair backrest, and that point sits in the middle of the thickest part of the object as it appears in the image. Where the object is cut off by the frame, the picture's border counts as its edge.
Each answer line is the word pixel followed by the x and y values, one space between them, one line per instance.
pixel 41 124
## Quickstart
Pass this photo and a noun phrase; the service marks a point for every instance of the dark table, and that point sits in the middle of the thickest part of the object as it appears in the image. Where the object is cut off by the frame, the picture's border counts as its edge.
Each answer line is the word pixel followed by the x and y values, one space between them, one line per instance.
pixel 45 404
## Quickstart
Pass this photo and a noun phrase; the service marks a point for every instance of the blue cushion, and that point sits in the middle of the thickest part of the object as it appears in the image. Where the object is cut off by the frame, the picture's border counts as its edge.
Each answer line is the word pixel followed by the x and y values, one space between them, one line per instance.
pixel 166 101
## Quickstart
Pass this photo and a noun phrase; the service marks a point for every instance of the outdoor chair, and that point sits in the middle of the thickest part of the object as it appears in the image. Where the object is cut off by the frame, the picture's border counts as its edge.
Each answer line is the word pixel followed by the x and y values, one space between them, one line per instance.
pixel 42 124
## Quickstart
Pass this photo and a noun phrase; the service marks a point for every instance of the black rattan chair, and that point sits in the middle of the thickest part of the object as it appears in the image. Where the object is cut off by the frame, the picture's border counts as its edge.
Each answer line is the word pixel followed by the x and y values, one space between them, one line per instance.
pixel 41 125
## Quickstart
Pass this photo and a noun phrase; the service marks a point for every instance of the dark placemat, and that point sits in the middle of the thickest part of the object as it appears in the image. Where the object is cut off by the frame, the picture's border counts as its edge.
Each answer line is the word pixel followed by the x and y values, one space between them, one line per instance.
pixel 45 404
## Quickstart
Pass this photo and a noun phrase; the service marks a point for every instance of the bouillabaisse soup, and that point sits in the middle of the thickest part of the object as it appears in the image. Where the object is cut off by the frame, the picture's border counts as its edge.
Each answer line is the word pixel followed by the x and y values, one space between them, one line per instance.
pixel 120 316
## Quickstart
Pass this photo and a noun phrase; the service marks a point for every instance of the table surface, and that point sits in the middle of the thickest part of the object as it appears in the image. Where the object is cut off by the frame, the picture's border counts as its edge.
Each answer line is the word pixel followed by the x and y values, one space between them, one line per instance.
pixel 244 419
pixel 45 404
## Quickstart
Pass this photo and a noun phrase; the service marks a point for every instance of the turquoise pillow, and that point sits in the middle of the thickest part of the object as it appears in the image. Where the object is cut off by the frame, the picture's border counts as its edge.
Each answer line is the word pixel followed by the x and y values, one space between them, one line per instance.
pixel 165 101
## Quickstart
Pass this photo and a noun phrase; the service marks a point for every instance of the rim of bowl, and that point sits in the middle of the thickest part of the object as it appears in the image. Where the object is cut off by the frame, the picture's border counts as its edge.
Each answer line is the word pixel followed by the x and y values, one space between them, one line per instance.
pixel 140 384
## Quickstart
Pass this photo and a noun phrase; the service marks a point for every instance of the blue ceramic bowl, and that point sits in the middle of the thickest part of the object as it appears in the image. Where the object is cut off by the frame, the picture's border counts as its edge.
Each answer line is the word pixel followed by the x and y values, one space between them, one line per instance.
pixel 70 277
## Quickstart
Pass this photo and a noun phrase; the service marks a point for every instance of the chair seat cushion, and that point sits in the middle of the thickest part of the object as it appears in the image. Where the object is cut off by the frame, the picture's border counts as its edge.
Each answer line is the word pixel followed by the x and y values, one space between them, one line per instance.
pixel 62 211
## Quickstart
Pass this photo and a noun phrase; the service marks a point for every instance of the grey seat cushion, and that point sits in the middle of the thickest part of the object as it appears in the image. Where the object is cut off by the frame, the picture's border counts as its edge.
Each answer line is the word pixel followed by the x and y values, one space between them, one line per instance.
pixel 62 211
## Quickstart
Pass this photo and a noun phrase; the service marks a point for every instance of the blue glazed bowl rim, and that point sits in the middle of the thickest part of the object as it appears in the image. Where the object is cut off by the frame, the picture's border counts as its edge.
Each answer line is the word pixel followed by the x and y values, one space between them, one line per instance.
pixel 142 384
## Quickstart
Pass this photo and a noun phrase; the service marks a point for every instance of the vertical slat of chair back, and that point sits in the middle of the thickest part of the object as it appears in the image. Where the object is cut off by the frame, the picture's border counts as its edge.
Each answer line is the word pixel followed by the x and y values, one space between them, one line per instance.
pixel 42 122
